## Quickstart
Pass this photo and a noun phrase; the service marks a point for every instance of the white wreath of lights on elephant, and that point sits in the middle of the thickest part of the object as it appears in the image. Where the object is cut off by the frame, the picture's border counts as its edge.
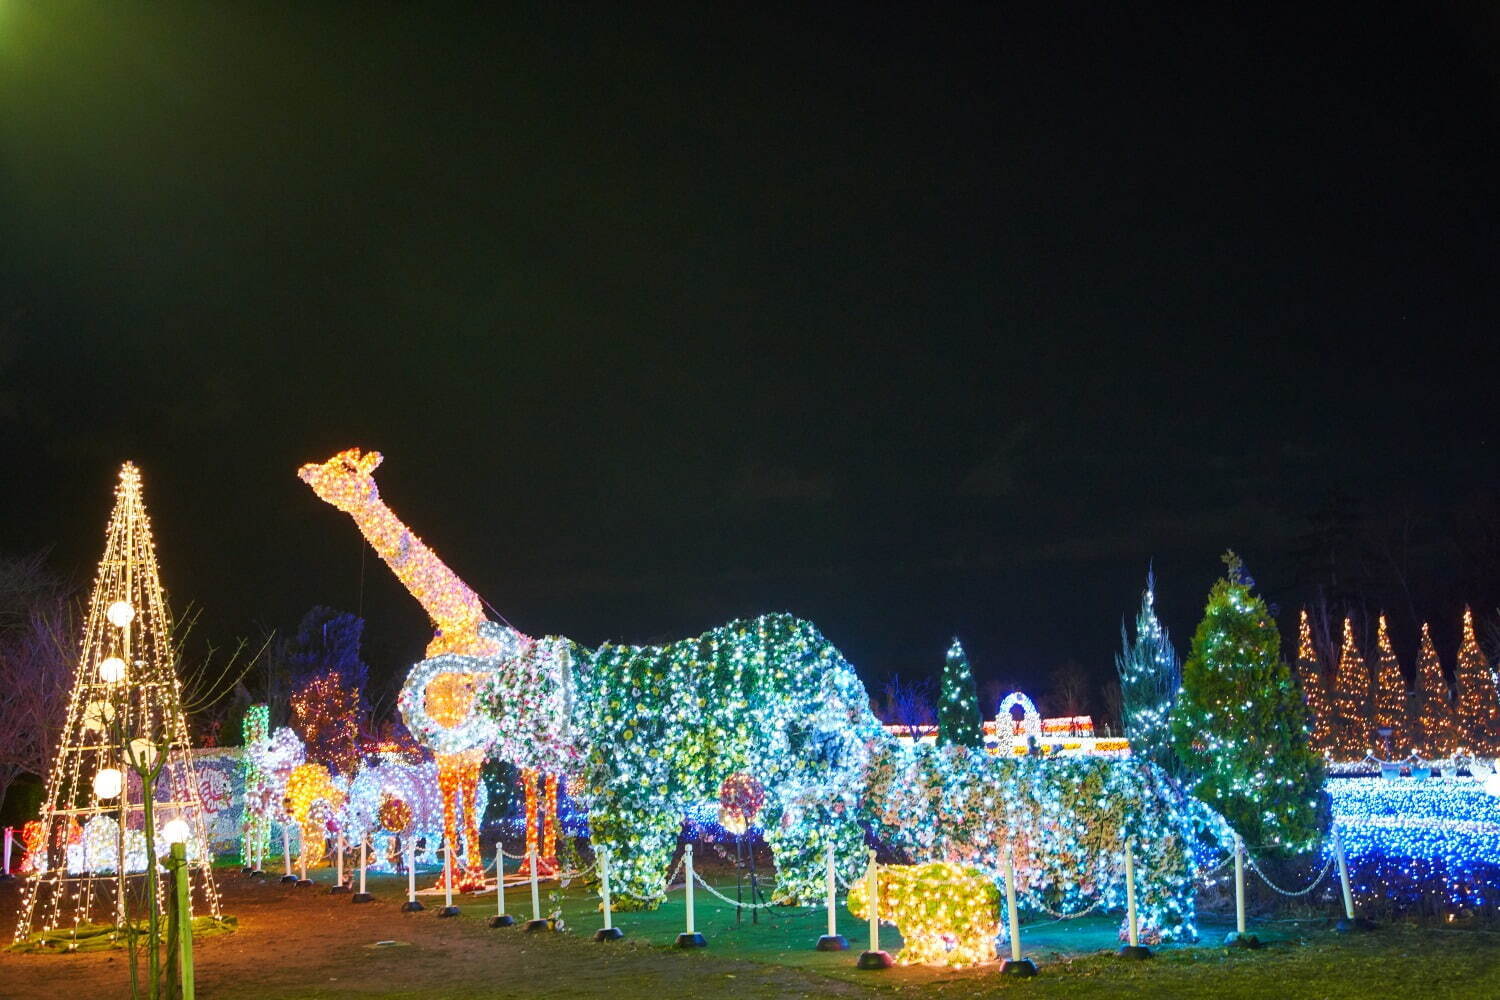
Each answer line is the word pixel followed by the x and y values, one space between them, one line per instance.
pixel 416 787
pixel 456 727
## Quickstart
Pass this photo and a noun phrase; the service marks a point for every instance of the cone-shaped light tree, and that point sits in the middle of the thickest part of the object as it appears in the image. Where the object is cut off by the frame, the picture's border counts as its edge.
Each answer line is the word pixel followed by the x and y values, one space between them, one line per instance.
pixel 1478 704
pixel 1390 699
pixel 1314 688
pixel 1436 734
pixel 1240 727
pixel 1350 723
pixel 123 732
pixel 1149 679
pixel 959 720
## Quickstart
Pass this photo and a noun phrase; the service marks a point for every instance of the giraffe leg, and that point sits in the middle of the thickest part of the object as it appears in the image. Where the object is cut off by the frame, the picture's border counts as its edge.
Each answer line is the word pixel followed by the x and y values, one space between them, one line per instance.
pixel 528 785
pixel 549 823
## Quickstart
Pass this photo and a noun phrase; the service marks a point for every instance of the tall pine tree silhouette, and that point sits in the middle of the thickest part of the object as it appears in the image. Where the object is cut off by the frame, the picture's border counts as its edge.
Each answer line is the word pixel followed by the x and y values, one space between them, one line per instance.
pixel 1149 679
pixel 959 720
pixel 1240 726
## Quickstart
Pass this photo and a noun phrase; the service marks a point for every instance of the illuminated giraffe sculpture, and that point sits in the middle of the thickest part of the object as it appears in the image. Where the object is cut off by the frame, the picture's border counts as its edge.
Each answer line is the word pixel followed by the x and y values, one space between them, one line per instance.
pixel 438 699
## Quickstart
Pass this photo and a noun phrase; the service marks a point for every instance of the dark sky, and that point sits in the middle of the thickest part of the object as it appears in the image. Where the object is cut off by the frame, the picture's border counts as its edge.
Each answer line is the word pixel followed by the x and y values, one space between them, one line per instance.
pixel 912 324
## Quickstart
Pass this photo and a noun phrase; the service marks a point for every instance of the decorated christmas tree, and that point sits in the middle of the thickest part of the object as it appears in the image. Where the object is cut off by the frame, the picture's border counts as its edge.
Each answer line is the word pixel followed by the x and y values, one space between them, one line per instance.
pixel 124 735
pixel 1478 705
pixel 1350 718
pixel 1436 734
pixel 1314 689
pixel 1240 727
pixel 1390 699
pixel 959 720
pixel 1149 679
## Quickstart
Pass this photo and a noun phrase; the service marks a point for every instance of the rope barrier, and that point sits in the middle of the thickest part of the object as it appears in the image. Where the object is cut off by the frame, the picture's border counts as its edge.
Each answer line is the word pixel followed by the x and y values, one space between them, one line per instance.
pixel 1327 866
pixel 740 905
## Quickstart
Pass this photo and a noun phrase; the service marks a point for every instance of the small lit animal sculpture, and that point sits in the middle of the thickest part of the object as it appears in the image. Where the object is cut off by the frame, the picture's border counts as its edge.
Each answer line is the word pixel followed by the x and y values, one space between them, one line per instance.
pixel 948 914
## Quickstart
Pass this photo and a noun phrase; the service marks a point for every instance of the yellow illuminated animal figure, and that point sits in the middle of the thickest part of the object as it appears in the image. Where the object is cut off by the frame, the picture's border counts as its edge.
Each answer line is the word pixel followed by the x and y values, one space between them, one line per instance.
pixel 948 914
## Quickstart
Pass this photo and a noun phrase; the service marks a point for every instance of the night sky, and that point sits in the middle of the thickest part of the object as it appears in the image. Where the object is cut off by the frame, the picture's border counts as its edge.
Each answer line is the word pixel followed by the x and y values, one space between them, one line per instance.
pixel 915 325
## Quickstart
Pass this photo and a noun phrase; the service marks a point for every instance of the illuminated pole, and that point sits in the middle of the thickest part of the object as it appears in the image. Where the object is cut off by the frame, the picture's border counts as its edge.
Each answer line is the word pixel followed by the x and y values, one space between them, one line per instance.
pixel 501 918
pixel 1239 938
pixel 286 854
pixel 1350 921
pixel 1015 965
pixel 833 940
pixel 609 932
pixel 1132 950
pixel 689 938
pixel 411 905
pixel 1338 846
pixel 874 958
pixel 178 864
pixel 9 835
pixel 1239 885
pixel 448 910
pixel 536 923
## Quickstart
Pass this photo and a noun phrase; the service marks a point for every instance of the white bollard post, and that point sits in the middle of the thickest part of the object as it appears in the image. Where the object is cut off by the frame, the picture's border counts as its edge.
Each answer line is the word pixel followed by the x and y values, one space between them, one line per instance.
pixel 1015 965
pixel 874 958
pixel 501 918
pixel 1133 950
pixel 689 938
pixel 447 878
pixel 1338 846
pixel 286 854
pixel 9 834
pixel 1239 885
pixel 833 940
pixel 1239 938
pixel 339 854
pixel 364 859
pixel 609 932
pixel 831 890
pixel 302 863
pixel 1012 910
pixel 1350 921
pixel 536 894
pixel 411 905
pixel 687 868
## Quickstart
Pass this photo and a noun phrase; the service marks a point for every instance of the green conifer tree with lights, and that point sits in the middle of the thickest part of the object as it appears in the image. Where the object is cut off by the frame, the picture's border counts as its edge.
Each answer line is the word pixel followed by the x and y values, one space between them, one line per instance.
pixel 1240 728
pixel 959 719
pixel 1150 676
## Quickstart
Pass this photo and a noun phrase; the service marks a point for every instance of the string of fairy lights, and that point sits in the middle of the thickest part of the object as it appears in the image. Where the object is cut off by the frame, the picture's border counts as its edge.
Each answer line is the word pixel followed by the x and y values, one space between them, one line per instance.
pixel 124 710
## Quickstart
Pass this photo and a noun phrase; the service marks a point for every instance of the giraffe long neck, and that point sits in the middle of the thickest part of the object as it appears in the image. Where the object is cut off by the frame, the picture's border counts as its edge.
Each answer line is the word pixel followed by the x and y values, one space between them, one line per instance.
pixel 453 607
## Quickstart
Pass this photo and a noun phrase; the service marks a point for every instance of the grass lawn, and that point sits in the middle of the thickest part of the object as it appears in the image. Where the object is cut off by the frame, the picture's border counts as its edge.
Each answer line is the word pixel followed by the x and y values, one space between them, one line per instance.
pixel 303 944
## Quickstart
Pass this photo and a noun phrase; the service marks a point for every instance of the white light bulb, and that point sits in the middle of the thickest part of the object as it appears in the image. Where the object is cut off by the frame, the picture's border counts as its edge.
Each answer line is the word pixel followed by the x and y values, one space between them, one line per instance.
pixel 176 832
pixel 107 783
pixel 112 670
pixel 120 614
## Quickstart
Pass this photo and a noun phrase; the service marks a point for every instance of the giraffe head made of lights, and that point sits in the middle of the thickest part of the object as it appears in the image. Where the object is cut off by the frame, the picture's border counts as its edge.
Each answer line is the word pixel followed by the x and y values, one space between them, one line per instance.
pixel 345 480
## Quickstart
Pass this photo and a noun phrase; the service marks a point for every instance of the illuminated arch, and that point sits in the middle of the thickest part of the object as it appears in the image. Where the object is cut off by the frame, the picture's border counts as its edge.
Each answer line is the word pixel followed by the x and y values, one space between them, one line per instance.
pixel 1031 719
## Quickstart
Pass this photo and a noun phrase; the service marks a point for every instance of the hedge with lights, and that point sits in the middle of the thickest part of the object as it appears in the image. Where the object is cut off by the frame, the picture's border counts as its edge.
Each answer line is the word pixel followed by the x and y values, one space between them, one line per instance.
pixel 1067 820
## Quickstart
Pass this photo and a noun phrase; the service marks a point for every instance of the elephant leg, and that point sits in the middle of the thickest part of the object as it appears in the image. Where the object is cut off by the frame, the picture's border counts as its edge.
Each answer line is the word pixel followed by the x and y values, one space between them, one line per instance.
pixel 800 842
pixel 640 845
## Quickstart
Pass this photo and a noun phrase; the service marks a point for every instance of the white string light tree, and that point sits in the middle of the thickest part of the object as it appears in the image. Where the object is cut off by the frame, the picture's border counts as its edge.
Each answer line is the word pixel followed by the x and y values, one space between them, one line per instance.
pixel 124 733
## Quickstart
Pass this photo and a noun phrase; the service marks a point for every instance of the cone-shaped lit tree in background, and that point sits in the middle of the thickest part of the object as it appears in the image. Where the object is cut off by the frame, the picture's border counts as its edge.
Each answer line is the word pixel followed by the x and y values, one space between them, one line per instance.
pixel 1390 699
pixel 1436 735
pixel 1478 705
pixel 1350 718
pixel 959 720
pixel 1149 678
pixel 1314 688
pixel 125 707
pixel 1240 727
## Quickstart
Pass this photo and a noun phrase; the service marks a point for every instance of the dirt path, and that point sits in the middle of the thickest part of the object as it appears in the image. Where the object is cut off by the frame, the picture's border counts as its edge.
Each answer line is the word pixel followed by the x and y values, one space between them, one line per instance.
pixel 305 943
